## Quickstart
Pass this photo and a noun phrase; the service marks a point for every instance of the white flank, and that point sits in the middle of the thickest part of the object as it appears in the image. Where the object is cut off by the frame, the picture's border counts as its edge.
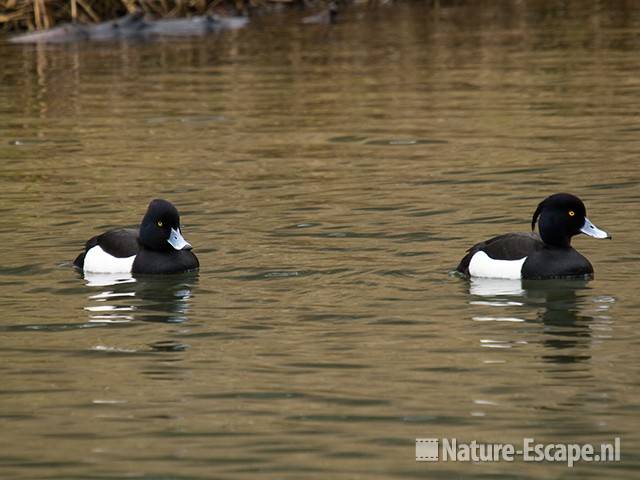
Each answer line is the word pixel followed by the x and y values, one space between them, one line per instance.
pixel 98 261
pixel 482 265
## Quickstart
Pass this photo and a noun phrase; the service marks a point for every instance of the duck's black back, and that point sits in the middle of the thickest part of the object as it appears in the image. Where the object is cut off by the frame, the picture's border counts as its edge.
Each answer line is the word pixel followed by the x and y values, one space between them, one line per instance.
pixel 120 243
pixel 511 246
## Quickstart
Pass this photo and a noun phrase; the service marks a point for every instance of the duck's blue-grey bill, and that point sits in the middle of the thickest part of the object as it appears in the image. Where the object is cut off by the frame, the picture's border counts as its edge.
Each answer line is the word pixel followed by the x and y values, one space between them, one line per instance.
pixel 590 229
pixel 177 241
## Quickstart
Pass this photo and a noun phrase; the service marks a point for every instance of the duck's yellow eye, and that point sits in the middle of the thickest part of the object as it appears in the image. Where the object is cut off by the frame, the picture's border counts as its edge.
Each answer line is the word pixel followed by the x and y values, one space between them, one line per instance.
pixel 571 213
pixel 159 223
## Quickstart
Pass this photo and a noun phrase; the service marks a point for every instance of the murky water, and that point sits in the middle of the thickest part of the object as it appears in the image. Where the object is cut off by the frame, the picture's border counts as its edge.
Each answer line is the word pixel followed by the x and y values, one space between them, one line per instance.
pixel 329 179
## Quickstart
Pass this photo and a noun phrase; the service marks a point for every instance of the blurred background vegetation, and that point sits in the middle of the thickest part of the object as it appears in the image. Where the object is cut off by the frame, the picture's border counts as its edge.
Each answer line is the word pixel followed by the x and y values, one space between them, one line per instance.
pixel 22 15
pixel 30 15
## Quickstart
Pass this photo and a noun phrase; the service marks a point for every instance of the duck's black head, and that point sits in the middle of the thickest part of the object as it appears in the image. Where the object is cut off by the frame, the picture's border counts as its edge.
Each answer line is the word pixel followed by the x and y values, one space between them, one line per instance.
pixel 560 217
pixel 160 228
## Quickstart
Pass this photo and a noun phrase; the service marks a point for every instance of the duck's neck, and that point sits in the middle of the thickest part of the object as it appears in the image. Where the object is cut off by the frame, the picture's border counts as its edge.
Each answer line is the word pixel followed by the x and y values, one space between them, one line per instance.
pixel 556 241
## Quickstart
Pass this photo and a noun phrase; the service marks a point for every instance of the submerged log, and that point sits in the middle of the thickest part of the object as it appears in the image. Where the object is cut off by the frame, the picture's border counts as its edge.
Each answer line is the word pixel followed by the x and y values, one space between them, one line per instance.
pixel 326 17
pixel 133 26
pixel 195 25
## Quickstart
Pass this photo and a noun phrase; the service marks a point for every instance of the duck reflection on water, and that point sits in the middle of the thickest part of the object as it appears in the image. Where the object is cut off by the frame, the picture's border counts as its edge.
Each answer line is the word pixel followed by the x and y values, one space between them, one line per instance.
pixel 570 313
pixel 148 298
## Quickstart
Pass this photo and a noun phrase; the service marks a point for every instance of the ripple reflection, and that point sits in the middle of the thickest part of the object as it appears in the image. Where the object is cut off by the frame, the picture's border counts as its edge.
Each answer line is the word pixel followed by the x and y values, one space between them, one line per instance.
pixel 163 299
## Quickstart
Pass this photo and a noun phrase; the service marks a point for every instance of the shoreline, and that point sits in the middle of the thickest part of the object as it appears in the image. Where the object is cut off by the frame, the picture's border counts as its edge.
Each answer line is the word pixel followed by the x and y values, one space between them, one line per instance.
pixel 31 16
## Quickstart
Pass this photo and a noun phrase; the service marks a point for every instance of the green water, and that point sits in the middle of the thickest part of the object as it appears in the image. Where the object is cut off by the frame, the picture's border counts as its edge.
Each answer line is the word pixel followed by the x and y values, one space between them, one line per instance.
pixel 329 179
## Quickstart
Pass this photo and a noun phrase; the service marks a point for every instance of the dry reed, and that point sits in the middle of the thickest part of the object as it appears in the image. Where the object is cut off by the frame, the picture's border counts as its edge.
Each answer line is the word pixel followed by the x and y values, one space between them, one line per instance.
pixel 21 15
